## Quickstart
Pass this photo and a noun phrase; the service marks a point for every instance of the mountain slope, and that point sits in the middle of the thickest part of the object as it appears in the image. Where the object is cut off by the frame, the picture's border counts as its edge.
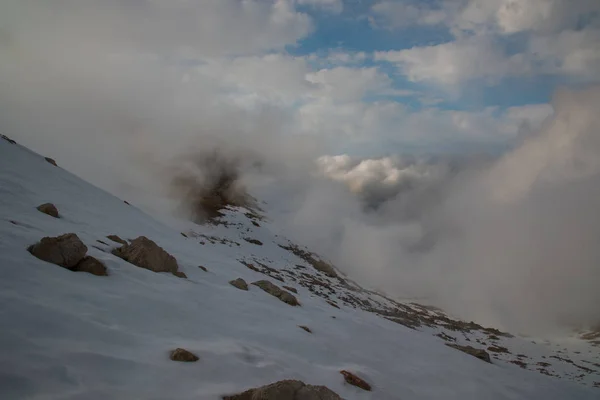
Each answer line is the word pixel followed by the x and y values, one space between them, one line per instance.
pixel 72 335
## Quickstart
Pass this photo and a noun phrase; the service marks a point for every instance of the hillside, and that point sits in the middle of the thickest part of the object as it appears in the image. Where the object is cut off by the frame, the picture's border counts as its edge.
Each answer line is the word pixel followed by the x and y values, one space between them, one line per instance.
pixel 74 335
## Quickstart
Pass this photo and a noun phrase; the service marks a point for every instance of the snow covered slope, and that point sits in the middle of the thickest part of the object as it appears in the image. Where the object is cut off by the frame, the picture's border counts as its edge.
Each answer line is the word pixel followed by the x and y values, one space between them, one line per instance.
pixel 73 335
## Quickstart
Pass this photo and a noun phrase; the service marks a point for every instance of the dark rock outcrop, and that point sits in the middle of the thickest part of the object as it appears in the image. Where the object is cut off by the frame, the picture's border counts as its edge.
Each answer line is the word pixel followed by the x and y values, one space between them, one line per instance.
pixel 51 161
pixel 354 380
pixel 239 283
pixel 66 250
pixel 254 241
pixel 306 328
pixel 91 265
pixel 116 239
pixel 479 353
pixel 180 274
pixel 287 390
pixel 290 289
pixel 144 253
pixel 276 291
pixel 183 355
pixel 49 209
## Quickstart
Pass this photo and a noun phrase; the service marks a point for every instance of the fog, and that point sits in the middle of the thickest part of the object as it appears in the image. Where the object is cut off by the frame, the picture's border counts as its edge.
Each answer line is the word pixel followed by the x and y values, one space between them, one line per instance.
pixel 509 240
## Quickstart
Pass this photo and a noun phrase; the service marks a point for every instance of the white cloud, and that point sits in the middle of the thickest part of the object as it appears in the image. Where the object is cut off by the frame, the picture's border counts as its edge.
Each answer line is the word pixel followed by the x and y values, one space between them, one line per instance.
pixel 335 6
pixel 456 62
pixel 345 84
pixel 391 14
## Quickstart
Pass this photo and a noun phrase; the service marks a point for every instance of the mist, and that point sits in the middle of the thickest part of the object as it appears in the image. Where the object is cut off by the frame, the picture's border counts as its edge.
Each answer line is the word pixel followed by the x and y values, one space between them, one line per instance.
pixel 508 240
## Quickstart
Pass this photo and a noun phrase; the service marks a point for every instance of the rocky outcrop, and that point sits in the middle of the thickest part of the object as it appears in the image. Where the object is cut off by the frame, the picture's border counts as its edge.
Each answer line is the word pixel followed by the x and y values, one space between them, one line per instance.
pixel 479 353
pixel 287 390
pixel 239 283
pixel 66 250
pixel 306 328
pixel 354 380
pixel 116 239
pixel 9 140
pixel 91 265
pixel 253 241
pixel 290 289
pixel 49 209
pixel 183 355
pixel 276 291
pixel 144 253
pixel 51 161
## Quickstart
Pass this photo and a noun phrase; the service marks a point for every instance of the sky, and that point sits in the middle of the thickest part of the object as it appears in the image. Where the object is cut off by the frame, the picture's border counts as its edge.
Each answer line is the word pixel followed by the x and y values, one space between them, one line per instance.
pixel 438 148
pixel 370 77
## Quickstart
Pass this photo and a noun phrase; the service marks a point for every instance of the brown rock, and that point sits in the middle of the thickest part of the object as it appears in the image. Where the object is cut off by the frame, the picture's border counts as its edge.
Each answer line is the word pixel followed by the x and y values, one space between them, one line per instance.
pixel 203 268
pixel 180 274
pixel 116 239
pixel 355 380
pixel 291 289
pixel 287 390
pixel 253 241
pixel 9 140
pixel 51 161
pixel 239 283
pixel 66 250
pixel 276 291
pixel 49 209
pixel 91 265
pixel 306 328
pixel 183 355
pixel 479 353
pixel 144 253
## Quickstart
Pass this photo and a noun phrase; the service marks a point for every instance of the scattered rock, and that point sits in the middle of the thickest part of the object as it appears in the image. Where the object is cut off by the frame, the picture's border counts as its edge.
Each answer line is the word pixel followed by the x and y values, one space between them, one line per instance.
pixel 104 243
pixel 519 363
pixel 116 239
pixel 355 380
pixel 180 274
pixel 306 328
pixel 9 140
pixel 498 349
pixel 479 353
pixel 126 202
pixel 183 355
pixel 66 250
pixel 202 268
pixel 91 265
pixel 256 224
pixel 332 304
pixel 51 161
pixel 49 209
pixel 239 283
pixel 291 289
pixel 287 390
pixel 253 241
pixel 184 235
pixel 446 337
pixel 145 253
pixel 276 291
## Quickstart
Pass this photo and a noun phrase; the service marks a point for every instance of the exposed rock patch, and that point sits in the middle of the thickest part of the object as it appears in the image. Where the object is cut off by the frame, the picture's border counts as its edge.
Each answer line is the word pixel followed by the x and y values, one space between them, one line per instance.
pixel 287 390
pixel 49 209
pixel 311 258
pixel 276 291
pixel 306 328
pixel 478 353
pixel 239 283
pixel 51 161
pixel 254 241
pixel 203 268
pixel 183 355
pixel 180 274
pixel 144 253
pixel 116 239
pixel 91 265
pixel 9 140
pixel 354 380
pixel 291 289
pixel 66 250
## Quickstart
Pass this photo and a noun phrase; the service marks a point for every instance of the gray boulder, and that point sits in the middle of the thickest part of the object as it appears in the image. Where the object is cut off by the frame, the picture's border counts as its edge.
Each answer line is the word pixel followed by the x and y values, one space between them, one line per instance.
pixel 66 250
pixel 49 209
pixel 276 291
pixel 144 253
pixel 287 390
pixel 239 283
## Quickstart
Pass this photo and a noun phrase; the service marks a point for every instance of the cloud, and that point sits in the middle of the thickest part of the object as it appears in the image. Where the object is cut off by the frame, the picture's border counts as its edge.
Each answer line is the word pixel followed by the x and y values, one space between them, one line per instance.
pixel 334 6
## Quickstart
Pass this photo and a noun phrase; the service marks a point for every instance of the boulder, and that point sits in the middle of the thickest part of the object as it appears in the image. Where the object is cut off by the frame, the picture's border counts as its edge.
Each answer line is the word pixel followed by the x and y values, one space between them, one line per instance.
pixel 66 250
pixel 239 283
pixel 51 161
pixel 116 239
pixel 183 355
pixel 144 253
pixel 286 390
pixel 49 209
pixel 180 274
pixel 276 291
pixel 91 265
pixel 479 353
pixel 354 380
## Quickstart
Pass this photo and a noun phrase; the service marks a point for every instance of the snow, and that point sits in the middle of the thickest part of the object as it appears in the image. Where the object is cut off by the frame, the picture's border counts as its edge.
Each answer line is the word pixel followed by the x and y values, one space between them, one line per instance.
pixel 69 335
